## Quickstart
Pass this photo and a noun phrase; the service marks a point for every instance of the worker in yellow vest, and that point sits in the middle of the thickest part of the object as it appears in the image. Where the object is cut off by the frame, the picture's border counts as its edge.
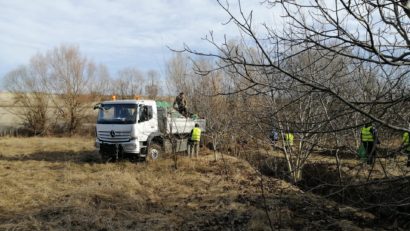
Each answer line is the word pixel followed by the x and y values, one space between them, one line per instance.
pixel 194 142
pixel 406 146
pixel 289 140
pixel 368 135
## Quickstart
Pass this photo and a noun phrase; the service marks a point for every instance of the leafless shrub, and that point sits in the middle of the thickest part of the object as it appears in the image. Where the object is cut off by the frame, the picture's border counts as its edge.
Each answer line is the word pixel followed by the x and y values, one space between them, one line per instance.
pixel 31 100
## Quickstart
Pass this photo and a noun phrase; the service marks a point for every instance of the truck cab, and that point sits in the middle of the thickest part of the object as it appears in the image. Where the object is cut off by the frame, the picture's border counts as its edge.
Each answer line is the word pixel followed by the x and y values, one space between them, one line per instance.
pixel 124 126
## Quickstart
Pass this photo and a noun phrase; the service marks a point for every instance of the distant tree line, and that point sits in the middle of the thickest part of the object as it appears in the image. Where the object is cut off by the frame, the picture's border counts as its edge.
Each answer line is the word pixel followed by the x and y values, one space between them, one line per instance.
pixel 55 91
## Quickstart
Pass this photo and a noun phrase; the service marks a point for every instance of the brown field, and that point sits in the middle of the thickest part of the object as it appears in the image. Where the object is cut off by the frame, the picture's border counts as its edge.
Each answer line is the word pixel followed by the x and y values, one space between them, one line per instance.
pixel 7 118
pixel 59 184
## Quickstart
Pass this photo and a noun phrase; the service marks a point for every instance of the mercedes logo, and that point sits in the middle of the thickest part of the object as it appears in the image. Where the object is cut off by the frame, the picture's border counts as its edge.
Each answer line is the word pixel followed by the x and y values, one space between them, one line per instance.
pixel 112 133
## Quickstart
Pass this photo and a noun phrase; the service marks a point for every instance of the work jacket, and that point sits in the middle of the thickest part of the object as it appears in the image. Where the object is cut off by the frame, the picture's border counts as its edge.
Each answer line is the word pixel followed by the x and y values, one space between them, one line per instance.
pixel 289 139
pixel 196 134
pixel 367 135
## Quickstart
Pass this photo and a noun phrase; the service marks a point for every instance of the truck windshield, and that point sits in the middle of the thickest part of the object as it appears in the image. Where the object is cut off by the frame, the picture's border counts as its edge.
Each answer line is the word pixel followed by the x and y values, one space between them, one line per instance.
pixel 117 114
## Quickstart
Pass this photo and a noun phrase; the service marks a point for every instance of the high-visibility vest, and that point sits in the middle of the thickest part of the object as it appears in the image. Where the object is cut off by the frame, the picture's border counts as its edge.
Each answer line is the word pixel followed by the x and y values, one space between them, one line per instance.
pixel 367 135
pixel 289 138
pixel 406 141
pixel 196 134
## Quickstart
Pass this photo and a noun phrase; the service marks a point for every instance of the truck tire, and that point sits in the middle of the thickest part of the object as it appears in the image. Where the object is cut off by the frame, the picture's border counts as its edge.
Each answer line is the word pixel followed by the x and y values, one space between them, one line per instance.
pixel 155 151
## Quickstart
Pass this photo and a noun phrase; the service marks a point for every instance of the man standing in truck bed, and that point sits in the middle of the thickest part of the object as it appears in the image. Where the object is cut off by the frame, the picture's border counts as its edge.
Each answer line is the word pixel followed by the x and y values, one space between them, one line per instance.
pixel 181 102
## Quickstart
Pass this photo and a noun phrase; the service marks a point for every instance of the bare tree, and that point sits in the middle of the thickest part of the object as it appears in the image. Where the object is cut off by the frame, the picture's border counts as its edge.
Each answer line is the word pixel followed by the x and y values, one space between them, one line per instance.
pixel 215 108
pixel 70 75
pixel 129 83
pixel 101 87
pixel 179 73
pixel 152 88
pixel 27 83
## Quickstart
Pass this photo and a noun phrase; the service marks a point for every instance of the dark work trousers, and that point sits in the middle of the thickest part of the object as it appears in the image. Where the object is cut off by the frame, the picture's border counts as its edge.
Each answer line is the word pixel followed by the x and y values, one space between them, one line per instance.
pixel 370 151
pixel 182 109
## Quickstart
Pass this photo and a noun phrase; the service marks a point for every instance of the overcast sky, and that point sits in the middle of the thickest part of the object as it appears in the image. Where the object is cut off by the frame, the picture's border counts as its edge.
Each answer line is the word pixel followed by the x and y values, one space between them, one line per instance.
pixel 119 34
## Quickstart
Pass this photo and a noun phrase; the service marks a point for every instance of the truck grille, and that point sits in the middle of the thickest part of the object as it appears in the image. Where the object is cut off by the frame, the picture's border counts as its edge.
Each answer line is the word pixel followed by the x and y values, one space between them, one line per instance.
pixel 117 136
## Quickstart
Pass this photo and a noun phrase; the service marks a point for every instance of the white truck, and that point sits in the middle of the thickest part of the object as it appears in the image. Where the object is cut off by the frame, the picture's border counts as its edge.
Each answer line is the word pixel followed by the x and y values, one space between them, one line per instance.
pixel 141 129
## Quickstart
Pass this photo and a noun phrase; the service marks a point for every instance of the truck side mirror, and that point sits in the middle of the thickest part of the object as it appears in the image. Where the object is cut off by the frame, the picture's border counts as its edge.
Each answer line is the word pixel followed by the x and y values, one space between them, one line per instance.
pixel 97 106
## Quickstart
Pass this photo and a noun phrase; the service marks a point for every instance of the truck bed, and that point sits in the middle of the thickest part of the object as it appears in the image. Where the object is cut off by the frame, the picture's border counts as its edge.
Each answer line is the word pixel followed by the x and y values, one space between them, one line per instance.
pixel 171 122
pixel 183 125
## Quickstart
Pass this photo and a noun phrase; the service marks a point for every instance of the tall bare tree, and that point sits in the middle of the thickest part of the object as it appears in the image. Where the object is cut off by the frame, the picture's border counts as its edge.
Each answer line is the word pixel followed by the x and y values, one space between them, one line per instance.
pixel 179 73
pixel 101 87
pixel 152 87
pixel 130 83
pixel 70 75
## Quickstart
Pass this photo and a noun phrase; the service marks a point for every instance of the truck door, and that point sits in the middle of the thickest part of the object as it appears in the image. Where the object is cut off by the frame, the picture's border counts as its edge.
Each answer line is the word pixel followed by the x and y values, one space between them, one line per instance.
pixel 146 120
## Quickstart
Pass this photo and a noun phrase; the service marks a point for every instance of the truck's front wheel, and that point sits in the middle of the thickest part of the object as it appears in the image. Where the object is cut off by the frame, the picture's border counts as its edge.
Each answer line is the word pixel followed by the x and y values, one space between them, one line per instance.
pixel 154 151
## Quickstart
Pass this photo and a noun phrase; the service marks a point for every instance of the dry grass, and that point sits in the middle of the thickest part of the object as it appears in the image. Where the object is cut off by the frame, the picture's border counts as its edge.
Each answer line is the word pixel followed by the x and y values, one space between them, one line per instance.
pixel 60 184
